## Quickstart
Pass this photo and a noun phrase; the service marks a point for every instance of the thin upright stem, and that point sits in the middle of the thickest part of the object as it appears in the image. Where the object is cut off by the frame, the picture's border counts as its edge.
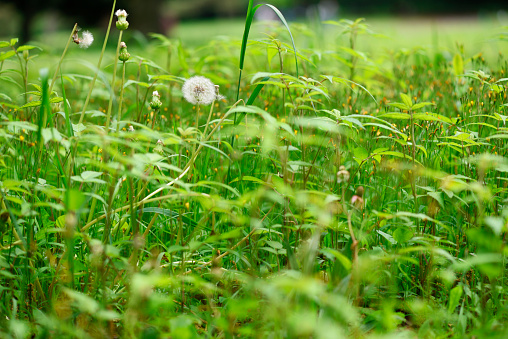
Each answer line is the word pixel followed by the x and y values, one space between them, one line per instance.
pixel 121 99
pixel 115 63
pixel 61 58
pixel 413 155
pixel 81 117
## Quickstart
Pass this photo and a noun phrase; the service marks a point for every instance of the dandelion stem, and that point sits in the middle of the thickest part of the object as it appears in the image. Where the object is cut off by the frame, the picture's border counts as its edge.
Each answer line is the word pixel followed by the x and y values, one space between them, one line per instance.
pixel 413 169
pixel 121 97
pixel 61 59
pixel 110 105
pixel 209 117
pixel 98 65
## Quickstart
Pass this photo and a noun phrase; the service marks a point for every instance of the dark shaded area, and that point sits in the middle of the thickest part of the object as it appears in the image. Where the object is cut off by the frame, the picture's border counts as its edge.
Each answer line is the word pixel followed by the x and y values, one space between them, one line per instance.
pixel 90 13
pixel 160 15
pixel 421 7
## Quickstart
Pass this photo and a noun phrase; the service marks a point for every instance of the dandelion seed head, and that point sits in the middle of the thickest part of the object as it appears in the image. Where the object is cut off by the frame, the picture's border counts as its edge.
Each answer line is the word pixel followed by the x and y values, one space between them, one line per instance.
pixel 86 40
pixel 199 90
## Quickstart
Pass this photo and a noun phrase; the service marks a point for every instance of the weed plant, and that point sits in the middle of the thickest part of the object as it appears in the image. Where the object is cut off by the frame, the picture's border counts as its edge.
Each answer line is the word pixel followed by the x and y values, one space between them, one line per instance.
pixel 332 192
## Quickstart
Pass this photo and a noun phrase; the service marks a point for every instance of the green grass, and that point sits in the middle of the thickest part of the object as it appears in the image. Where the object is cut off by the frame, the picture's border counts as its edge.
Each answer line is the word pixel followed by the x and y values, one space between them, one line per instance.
pixel 365 198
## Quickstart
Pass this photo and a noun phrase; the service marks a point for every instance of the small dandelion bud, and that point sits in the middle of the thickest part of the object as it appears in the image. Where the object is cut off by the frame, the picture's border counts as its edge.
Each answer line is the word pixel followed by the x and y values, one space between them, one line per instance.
pixel 156 102
pixel 199 90
pixel 342 175
pixel 218 96
pixel 159 147
pixel 122 23
pixel 123 55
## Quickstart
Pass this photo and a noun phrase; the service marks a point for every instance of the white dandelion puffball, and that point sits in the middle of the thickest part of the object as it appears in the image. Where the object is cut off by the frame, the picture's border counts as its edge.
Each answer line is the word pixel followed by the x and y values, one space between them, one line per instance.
pixel 87 40
pixel 199 90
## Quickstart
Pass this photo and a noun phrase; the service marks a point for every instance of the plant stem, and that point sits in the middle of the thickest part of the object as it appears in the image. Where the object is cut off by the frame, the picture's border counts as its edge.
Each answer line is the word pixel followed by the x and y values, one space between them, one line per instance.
pixel 110 105
pixel 121 98
pixel 413 169
pixel 61 59
pixel 81 117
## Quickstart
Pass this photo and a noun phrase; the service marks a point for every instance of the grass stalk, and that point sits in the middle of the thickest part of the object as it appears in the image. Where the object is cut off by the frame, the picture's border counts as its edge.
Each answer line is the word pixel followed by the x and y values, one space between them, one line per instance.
pixel 92 84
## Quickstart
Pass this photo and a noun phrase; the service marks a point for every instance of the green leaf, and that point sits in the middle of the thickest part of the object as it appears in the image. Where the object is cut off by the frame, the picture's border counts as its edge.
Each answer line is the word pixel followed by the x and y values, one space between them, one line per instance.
pixel 360 154
pixel 431 117
pixel 78 128
pixel 438 197
pixel 496 224
pixel 89 176
pixel 395 115
pixel 51 134
pixel 75 199
pixel 330 252
pixel 26 48
pixel 403 234
pixel 458 64
pixel 83 302
pixel 420 105
pixel 274 244
pixel 498 136
pixel 455 295
pixel 6 55
pixel 395 154
pixel 386 236
pixel 165 77
pixel 139 83
pixel 400 106
pixel 406 99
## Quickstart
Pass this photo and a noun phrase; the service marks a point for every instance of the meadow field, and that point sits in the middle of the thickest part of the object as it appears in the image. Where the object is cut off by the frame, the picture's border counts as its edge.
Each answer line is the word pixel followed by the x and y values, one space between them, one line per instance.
pixel 243 179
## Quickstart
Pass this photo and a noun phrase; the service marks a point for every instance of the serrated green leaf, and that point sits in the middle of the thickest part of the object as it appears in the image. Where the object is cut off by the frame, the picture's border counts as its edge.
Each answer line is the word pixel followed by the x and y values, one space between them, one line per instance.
pixel 406 99
pixel 420 105
pixel 400 106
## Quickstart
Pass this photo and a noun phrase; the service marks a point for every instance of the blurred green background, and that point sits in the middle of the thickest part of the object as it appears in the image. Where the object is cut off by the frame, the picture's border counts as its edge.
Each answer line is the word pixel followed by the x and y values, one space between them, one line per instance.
pixel 36 19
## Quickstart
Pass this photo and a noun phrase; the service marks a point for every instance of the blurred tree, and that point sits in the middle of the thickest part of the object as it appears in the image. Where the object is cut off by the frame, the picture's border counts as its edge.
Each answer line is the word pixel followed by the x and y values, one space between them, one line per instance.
pixel 144 15
pixel 147 15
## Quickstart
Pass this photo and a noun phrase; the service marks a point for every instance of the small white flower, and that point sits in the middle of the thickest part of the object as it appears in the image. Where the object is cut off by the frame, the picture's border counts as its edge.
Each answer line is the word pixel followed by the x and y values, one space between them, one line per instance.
pixel 199 90
pixel 121 13
pixel 131 128
pixel 87 40
pixel 122 23
pixel 156 102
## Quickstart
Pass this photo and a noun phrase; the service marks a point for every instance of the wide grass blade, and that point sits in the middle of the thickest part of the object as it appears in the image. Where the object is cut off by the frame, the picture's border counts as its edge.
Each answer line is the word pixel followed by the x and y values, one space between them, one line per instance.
pixel 248 23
